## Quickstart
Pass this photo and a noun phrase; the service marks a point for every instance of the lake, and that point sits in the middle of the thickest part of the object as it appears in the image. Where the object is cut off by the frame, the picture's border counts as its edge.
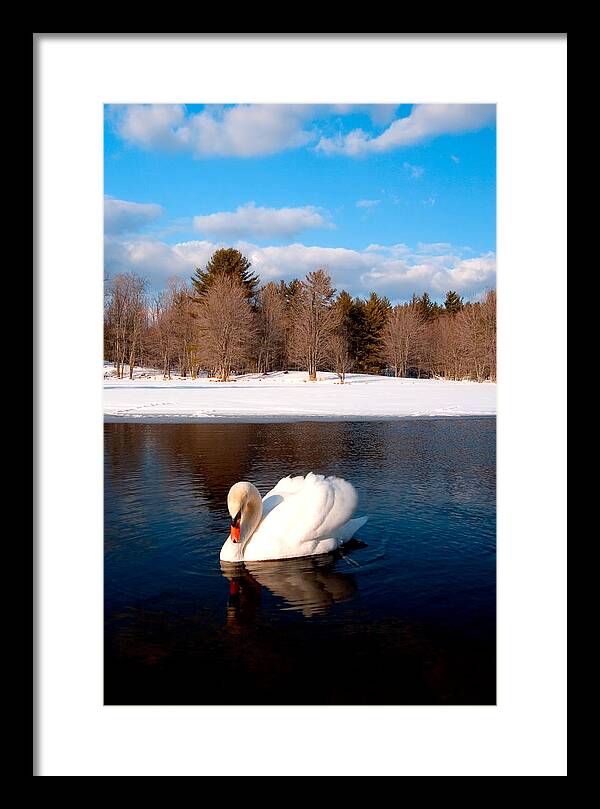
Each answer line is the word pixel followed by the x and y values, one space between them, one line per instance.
pixel 407 616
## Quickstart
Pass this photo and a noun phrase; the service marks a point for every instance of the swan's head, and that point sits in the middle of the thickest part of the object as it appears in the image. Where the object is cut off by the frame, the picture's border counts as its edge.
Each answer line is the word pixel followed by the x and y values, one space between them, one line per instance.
pixel 244 504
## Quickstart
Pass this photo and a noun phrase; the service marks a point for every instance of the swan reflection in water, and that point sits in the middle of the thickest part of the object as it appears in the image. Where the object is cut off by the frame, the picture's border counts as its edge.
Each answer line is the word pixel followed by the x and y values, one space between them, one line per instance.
pixel 309 585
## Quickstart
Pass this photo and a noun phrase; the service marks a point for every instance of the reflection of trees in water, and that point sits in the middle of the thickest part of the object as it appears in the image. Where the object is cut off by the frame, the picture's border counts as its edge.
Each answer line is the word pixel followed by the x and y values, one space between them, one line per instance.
pixel 403 457
pixel 217 456
pixel 213 456
pixel 124 450
pixel 311 446
pixel 395 465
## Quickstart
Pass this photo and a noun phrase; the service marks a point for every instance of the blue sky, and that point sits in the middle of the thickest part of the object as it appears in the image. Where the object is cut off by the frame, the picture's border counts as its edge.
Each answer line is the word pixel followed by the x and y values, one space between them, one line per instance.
pixel 396 199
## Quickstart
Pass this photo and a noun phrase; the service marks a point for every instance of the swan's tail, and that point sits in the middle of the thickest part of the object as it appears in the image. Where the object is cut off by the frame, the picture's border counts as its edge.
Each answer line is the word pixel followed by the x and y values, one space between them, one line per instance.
pixel 348 530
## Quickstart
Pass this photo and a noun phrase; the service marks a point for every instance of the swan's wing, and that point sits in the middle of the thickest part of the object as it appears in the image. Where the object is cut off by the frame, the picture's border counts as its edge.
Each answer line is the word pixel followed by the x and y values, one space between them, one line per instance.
pixel 288 485
pixel 285 487
pixel 348 530
pixel 306 509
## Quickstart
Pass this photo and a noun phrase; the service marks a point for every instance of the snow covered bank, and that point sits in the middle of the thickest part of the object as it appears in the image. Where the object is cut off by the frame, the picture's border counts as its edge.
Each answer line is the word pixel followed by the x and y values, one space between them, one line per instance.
pixel 290 397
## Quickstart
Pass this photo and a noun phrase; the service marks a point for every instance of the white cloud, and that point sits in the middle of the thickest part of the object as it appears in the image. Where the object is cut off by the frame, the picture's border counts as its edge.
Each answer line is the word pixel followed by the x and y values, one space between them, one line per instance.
pixel 151 258
pixel 242 130
pixel 473 272
pixel 367 203
pixel 399 279
pixel 415 171
pixel 250 130
pixel 454 158
pixel 425 121
pixel 122 216
pixel 150 125
pixel 392 250
pixel 250 221
pixel 245 130
pixel 395 270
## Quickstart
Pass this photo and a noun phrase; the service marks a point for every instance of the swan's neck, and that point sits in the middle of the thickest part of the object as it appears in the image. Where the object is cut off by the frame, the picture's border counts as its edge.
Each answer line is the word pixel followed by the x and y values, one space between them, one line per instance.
pixel 250 519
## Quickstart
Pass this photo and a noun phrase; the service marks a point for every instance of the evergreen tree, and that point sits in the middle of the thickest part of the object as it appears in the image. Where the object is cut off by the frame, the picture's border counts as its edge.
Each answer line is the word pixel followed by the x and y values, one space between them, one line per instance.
pixel 292 290
pixel 358 330
pixel 350 314
pixel 229 263
pixel 427 309
pixel 375 312
pixel 344 306
pixel 453 303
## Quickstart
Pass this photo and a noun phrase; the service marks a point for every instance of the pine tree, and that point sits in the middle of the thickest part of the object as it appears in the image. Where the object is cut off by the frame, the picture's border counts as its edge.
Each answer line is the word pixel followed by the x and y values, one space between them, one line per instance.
pixel 226 262
pixel 358 328
pixel 353 325
pixel 428 309
pixel 374 313
pixel 344 306
pixel 292 290
pixel 453 303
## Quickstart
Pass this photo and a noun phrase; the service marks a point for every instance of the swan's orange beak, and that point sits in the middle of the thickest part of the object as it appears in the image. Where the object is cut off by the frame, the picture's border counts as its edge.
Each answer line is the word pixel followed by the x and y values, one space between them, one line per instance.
pixel 235 527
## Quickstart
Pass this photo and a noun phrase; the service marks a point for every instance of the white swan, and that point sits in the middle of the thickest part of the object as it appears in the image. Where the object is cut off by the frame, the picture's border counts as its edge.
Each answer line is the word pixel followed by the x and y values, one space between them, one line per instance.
pixel 301 516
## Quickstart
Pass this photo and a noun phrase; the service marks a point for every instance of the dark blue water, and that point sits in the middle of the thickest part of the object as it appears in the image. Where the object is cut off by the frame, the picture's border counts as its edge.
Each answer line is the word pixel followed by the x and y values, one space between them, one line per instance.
pixel 405 617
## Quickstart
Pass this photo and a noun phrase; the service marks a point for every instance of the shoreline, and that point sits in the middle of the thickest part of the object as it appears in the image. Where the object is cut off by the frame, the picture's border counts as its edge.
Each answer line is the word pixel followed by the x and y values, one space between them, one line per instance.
pixel 110 418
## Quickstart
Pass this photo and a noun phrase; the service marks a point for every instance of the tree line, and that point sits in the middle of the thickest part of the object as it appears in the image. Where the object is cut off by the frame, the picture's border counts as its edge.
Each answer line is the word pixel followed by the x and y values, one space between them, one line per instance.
pixel 224 322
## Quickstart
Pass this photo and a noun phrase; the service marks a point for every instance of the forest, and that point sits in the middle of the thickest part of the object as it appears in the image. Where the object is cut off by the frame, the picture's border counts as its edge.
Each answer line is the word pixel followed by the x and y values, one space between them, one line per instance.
pixel 223 322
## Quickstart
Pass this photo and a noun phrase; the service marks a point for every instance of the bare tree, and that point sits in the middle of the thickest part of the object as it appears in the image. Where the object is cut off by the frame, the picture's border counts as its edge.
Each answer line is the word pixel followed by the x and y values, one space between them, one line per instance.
pixel 114 321
pixel 338 347
pixel 447 356
pixel 125 319
pixel 314 320
pixel 478 337
pixel 225 326
pixel 488 314
pixel 271 326
pixel 161 335
pixel 296 325
pixel 137 320
pixel 292 293
pixel 401 332
pixel 182 326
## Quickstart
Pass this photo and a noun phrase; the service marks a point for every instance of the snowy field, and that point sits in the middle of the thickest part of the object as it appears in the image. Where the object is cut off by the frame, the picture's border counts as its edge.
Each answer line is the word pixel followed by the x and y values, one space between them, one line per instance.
pixel 289 397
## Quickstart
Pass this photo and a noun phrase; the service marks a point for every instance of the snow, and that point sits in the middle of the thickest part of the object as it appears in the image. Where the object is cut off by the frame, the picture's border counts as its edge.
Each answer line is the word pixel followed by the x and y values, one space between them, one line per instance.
pixel 281 397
